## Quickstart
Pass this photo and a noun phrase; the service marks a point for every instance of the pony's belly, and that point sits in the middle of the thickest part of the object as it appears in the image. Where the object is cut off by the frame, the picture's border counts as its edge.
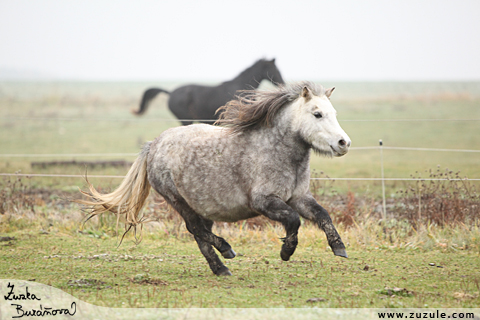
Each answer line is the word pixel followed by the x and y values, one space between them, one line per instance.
pixel 226 209
pixel 216 200
pixel 231 215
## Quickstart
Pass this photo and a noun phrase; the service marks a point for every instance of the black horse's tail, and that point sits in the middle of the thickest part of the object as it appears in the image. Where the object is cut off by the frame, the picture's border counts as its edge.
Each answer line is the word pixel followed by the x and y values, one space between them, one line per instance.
pixel 148 95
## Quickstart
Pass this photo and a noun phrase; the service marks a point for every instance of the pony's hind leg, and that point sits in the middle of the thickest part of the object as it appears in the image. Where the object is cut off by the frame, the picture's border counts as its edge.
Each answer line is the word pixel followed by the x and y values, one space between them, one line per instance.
pixel 276 209
pixel 202 228
pixel 202 231
pixel 214 262
pixel 198 226
pixel 212 258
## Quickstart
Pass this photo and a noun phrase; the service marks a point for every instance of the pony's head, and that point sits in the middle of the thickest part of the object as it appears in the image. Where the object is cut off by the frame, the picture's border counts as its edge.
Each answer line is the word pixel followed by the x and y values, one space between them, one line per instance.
pixel 303 109
pixel 315 119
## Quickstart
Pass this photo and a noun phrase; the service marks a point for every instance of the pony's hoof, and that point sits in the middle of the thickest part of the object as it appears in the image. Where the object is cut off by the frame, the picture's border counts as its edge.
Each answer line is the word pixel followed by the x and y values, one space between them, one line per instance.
pixel 287 252
pixel 229 254
pixel 341 252
pixel 223 271
pixel 284 256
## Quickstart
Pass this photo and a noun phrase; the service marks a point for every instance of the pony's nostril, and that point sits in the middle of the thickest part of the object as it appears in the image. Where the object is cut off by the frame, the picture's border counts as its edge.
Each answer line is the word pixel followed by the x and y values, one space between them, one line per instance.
pixel 342 143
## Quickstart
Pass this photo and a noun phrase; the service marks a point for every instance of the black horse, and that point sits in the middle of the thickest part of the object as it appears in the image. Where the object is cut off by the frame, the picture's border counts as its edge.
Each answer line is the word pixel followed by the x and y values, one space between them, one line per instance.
pixel 199 102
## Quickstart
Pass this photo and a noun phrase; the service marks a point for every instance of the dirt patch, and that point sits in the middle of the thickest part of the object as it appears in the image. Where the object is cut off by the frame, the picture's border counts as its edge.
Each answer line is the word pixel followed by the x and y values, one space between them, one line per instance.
pixel 146 279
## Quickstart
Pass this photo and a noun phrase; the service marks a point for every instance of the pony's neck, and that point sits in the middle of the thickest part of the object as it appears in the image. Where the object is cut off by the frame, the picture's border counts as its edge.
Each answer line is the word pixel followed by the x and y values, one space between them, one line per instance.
pixel 281 137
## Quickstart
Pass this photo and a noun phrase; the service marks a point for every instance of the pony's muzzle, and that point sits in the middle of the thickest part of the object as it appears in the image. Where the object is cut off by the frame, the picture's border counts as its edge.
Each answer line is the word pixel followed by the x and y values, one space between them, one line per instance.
pixel 342 147
pixel 344 144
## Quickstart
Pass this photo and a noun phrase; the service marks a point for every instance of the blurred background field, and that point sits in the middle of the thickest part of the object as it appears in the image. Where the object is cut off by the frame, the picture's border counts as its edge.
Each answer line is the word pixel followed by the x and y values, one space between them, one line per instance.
pixel 66 121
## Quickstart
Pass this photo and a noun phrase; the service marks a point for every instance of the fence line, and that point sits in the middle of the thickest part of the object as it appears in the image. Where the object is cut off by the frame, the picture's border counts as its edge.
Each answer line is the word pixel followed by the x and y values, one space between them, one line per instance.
pixel 32 155
pixel 414 149
pixel 135 154
pixel 46 155
pixel 396 179
pixel 109 119
pixel 33 175
pixel 210 120
pixel 404 120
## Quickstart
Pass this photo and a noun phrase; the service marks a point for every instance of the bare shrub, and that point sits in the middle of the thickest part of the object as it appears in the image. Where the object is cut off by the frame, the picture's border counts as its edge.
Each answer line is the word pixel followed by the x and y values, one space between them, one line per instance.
pixel 15 197
pixel 449 201
pixel 344 208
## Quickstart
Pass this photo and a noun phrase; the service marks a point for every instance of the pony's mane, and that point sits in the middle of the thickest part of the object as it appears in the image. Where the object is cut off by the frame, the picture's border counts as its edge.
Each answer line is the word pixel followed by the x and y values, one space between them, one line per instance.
pixel 252 108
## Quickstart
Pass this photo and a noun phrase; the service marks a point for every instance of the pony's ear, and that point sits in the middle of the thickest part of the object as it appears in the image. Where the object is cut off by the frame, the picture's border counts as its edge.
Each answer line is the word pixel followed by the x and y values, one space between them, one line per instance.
pixel 306 93
pixel 273 60
pixel 328 92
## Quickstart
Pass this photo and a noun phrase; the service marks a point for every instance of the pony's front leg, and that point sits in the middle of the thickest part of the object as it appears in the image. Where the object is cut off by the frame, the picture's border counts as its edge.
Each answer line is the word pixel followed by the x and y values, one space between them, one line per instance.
pixel 309 208
pixel 276 209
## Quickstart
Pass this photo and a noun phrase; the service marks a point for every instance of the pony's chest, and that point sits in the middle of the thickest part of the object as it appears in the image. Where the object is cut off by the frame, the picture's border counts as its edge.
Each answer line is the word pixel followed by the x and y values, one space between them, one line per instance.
pixel 297 188
pixel 286 184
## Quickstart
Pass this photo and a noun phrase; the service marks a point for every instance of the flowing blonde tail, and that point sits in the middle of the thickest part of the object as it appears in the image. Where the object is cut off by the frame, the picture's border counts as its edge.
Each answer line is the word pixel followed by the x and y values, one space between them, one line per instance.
pixel 128 199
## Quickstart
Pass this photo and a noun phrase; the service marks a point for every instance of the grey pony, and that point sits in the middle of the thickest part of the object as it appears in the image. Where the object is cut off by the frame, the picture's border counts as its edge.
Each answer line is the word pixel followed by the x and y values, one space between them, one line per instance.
pixel 255 163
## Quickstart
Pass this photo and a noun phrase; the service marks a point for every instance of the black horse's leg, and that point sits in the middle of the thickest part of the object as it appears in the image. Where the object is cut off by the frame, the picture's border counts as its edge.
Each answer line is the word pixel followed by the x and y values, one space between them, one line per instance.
pixel 275 209
pixel 309 209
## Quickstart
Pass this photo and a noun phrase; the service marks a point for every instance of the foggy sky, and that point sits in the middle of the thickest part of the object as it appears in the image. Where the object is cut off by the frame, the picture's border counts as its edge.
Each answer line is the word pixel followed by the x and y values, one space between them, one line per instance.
pixel 215 40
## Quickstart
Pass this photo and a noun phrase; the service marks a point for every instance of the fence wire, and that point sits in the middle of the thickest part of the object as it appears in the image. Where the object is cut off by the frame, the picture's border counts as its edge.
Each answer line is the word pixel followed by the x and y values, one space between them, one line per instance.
pixel 32 175
pixel 35 175
pixel 47 155
pixel 106 155
pixel 212 121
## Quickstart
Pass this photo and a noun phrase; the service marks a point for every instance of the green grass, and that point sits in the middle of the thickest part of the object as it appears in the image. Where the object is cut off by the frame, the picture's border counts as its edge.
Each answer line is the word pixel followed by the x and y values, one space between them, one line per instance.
pixel 165 271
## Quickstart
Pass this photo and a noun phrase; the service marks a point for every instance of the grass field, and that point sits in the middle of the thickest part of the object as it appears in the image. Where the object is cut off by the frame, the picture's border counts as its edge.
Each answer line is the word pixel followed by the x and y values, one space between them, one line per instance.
pixel 169 271
pixel 389 264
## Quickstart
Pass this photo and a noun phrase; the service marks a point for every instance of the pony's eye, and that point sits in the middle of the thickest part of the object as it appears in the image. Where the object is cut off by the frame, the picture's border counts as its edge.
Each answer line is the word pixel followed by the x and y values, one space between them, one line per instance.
pixel 317 114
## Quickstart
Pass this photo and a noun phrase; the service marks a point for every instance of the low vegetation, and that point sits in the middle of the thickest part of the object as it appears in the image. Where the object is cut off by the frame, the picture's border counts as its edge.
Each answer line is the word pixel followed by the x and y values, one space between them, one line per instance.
pixel 407 261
